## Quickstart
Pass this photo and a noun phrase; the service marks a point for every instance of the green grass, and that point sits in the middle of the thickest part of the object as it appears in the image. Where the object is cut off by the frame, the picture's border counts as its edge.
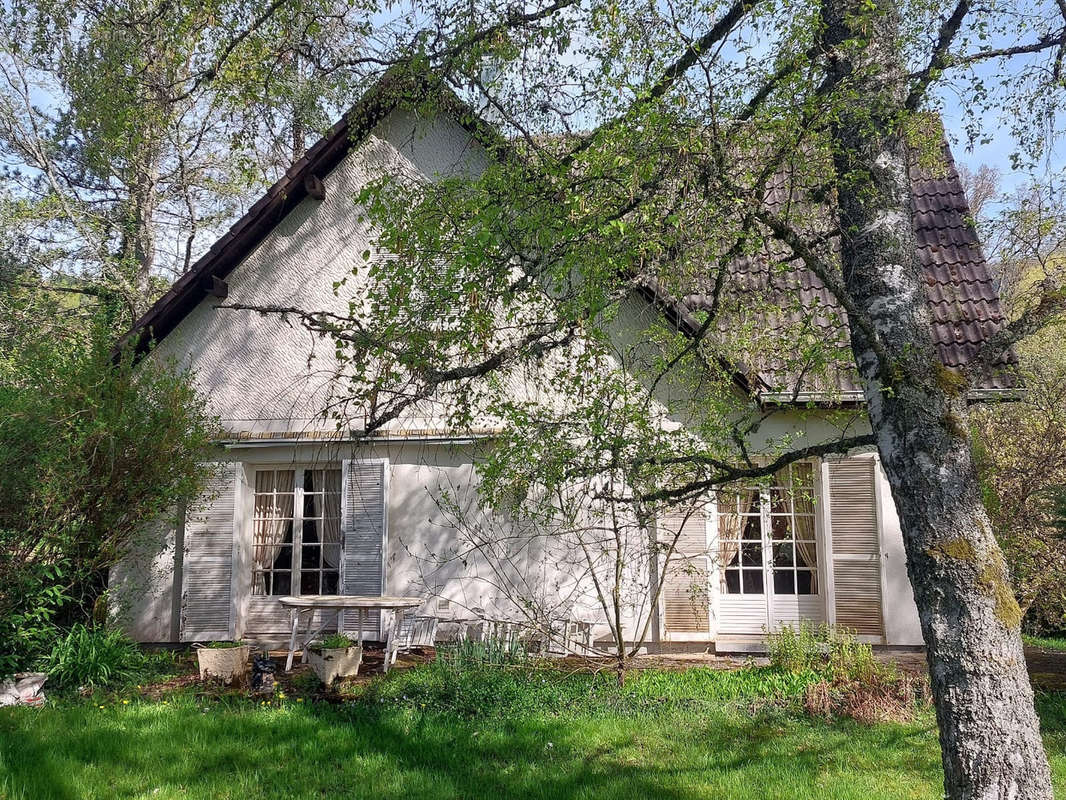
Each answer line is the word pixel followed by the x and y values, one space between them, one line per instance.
pixel 1045 643
pixel 535 735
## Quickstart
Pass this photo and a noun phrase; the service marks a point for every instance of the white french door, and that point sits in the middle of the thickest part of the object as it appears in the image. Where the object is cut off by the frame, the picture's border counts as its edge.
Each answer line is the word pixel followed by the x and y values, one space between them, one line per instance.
pixel 295 543
pixel 768 554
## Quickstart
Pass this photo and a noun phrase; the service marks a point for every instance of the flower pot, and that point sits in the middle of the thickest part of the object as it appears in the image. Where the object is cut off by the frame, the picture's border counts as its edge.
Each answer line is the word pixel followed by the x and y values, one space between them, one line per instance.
pixel 223 663
pixel 332 663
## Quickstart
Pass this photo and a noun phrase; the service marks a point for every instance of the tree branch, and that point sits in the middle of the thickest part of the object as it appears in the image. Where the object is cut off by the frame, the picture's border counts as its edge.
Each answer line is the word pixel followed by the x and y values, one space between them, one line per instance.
pixel 940 57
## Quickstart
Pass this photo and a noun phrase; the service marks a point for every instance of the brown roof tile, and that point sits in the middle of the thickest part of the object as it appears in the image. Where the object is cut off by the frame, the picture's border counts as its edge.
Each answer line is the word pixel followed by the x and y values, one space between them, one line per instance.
pixel 962 294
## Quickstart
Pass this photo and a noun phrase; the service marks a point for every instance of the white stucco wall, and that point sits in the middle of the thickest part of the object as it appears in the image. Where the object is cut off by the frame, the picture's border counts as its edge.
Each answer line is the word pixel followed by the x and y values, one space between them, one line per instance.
pixel 264 373
pixel 141 587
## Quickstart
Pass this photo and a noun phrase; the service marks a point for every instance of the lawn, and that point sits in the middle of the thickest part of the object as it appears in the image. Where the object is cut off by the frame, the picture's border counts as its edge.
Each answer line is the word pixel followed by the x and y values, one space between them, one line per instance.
pixel 430 734
pixel 1045 643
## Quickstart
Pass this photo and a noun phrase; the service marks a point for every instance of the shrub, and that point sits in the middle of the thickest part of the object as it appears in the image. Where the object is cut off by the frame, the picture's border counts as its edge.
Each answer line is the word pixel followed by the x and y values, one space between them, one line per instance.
pixel 95 657
pixel 90 451
pixel 798 649
pixel 884 695
pixel 849 659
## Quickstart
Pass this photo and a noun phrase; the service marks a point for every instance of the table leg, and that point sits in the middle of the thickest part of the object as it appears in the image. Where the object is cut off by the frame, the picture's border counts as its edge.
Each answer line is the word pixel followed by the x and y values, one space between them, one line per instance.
pixel 294 616
pixel 394 639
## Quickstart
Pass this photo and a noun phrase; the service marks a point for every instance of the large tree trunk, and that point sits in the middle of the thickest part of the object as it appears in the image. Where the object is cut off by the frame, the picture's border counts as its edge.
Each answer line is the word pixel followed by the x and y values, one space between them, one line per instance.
pixel 989 731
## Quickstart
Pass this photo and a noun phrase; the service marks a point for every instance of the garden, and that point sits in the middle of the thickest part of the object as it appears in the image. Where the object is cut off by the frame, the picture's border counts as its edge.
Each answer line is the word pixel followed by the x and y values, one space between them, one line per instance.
pixel 464 722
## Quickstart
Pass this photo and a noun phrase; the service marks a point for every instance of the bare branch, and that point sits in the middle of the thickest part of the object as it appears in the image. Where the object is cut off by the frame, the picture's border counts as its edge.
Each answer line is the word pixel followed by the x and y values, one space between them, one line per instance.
pixel 940 57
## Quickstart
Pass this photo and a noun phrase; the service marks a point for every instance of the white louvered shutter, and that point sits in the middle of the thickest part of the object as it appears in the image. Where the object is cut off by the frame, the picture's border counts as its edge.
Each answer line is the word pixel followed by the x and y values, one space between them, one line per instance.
pixel 686 604
pixel 207 580
pixel 363 532
pixel 856 545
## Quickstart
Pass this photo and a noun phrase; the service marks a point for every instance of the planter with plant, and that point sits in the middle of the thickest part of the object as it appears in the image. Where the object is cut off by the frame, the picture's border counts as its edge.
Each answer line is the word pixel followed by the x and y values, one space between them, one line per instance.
pixel 224 661
pixel 335 656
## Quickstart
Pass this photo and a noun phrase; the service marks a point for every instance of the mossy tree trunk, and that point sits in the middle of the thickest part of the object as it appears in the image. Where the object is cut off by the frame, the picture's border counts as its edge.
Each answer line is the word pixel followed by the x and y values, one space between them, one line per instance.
pixel 989 731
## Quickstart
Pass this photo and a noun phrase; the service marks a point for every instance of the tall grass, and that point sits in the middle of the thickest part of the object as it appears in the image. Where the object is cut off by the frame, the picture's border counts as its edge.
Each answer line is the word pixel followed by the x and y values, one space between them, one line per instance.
pixel 93 657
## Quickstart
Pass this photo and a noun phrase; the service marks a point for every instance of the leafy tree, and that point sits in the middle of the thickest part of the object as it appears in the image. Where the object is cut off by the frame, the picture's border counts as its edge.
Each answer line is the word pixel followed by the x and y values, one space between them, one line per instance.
pixel 132 131
pixel 91 451
pixel 658 146
pixel 1020 445
pixel 1021 456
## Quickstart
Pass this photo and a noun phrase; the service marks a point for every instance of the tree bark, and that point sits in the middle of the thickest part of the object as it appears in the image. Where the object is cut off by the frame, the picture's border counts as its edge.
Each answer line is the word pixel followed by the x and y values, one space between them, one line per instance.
pixel 989 732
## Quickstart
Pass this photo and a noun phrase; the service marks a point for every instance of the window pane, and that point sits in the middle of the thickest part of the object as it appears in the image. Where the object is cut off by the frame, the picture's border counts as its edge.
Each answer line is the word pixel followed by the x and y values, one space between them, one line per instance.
pixel 264 481
pixel 804 582
pixel 309 583
pixel 784 581
pixel 286 480
pixel 784 555
pixel 732 581
pixel 330 582
pixel 282 583
pixel 751 554
pixel 752 529
pixel 729 554
pixel 806 554
pixel 781 527
pixel 309 557
pixel 780 498
pixel 753 581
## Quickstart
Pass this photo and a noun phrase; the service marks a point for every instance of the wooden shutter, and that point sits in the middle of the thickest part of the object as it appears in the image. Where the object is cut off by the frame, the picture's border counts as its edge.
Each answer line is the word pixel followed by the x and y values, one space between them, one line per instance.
pixel 208 570
pixel 686 604
pixel 856 544
pixel 363 533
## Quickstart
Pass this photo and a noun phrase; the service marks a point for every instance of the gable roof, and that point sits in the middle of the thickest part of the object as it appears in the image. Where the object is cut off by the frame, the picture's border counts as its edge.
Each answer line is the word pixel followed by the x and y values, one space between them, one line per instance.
pixel 961 291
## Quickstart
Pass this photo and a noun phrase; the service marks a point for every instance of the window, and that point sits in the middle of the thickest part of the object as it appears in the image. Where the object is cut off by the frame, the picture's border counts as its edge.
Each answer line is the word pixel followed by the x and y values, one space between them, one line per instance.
pixel 296 525
pixel 740 541
pixel 794 556
pixel 768 535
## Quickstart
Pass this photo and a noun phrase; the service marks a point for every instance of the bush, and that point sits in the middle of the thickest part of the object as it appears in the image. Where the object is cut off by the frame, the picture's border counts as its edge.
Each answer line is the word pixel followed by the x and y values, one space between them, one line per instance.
pixel 798 649
pixel 821 647
pixel 853 683
pixel 96 657
pixel 90 451
pixel 849 659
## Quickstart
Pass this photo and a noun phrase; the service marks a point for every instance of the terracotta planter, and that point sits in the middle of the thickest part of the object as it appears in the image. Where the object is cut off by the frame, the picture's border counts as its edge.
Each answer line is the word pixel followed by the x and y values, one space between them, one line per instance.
pixel 340 662
pixel 223 663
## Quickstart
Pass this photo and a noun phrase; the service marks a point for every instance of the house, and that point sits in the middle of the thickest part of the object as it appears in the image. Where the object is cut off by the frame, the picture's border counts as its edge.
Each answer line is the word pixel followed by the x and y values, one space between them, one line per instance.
pixel 297 508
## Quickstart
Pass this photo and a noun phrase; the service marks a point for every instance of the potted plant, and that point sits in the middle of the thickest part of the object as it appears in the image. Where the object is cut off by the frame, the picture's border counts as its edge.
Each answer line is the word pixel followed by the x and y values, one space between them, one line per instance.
pixel 224 661
pixel 335 656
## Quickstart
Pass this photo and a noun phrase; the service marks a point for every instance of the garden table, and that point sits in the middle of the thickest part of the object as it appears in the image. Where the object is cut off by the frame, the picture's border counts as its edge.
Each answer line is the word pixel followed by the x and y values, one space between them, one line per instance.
pixel 308 604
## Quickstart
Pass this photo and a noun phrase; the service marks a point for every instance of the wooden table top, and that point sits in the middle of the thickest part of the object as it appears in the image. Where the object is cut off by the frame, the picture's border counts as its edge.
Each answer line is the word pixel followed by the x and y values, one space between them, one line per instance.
pixel 349 601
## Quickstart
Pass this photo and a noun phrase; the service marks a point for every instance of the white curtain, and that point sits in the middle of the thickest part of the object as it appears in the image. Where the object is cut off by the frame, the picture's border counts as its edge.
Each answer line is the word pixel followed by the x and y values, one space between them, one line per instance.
pixel 328 507
pixel 807 551
pixel 731 523
pixel 273 520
